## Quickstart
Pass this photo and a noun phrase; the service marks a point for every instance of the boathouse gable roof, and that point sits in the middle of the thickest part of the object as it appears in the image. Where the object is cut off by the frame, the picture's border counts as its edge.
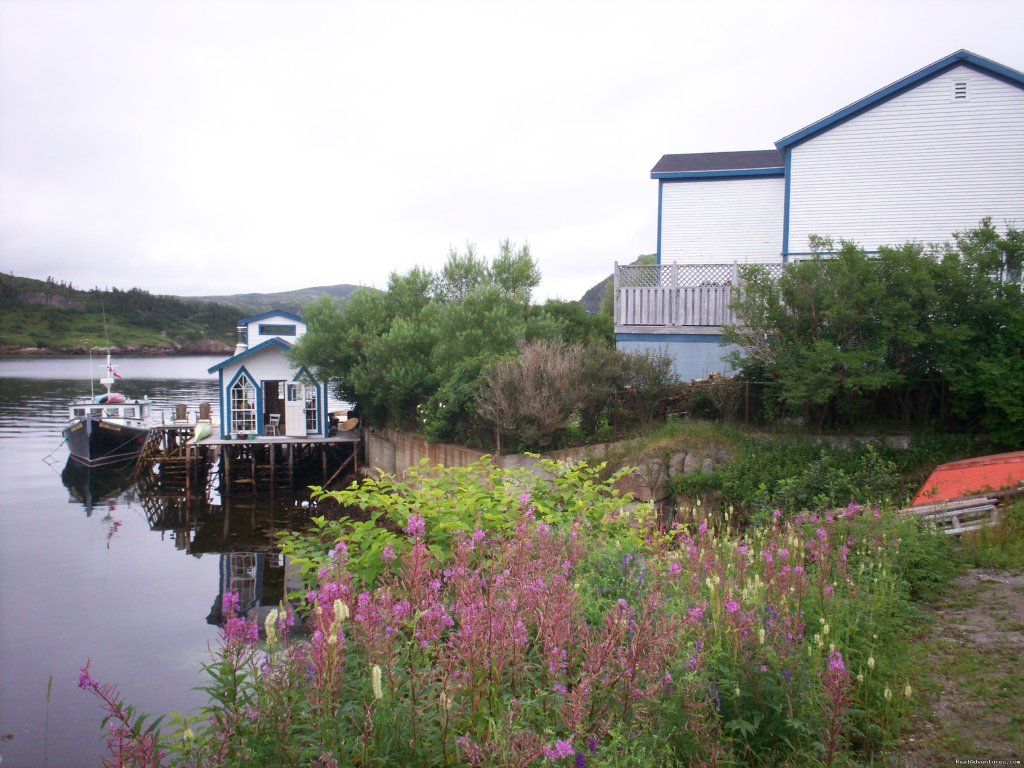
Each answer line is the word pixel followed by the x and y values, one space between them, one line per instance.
pixel 271 313
pixel 283 345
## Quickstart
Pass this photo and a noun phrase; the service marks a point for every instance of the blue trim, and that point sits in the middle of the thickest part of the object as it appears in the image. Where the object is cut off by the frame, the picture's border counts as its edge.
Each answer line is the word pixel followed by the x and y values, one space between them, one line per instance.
pixel 720 174
pixel 325 421
pixel 831 253
pixel 304 371
pixel 223 409
pixel 661 188
pixel 669 338
pixel 251 351
pixel 271 313
pixel 785 206
pixel 962 57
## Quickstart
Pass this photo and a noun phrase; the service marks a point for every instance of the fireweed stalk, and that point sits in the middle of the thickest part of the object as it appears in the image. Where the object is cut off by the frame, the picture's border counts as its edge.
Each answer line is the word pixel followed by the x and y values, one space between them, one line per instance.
pixel 715 644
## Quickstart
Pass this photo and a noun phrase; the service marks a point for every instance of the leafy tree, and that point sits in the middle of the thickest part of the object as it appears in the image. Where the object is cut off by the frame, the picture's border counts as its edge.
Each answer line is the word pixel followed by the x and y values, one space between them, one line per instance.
pixel 840 334
pixel 818 329
pixel 979 328
pixel 412 356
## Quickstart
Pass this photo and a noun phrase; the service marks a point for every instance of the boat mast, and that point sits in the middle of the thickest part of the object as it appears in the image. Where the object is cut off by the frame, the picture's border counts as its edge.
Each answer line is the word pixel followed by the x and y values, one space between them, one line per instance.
pixel 108 380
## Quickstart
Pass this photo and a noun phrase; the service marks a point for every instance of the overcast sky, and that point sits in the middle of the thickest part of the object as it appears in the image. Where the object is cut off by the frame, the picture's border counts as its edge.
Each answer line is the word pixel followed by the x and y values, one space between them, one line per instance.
pixel 215 147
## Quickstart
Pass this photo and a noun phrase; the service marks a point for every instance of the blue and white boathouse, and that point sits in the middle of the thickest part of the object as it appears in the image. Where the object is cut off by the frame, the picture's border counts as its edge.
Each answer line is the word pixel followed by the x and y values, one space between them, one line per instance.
pixel 262 393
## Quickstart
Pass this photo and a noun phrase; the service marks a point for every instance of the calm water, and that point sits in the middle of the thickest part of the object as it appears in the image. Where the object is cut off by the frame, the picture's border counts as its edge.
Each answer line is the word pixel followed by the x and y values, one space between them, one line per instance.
pixel 89 569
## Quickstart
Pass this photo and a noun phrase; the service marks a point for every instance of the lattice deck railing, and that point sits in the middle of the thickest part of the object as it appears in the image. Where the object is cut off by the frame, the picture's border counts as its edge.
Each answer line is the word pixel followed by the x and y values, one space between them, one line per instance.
pixel 677 294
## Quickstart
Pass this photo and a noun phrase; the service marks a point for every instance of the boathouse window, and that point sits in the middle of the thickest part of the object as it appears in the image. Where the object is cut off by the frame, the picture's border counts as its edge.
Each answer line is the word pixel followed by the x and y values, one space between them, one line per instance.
pixel 270 329
pixel 243 406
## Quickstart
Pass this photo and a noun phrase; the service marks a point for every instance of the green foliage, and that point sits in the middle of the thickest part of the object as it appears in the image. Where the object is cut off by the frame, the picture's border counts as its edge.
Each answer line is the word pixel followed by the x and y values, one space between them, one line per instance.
pixel 793 473
pixel 900 333
pixel 555 393
pixel 1001 546
pixel 50 314
pixel 455 501
pixel 411 357
pixel 530 618
pixel 416 356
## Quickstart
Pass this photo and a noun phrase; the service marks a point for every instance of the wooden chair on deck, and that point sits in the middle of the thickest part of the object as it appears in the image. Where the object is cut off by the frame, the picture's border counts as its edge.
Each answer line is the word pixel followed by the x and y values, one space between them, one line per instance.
pixel 181 412
pixel 204 412
pixel 274 424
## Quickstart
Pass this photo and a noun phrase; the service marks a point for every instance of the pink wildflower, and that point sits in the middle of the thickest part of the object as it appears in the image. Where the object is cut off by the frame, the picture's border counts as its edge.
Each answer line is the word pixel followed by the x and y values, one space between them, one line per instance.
pixel 561 749
pixel 415 526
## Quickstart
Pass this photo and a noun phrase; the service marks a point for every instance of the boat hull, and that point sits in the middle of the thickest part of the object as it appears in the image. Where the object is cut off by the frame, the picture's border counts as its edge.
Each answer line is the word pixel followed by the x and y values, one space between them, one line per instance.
pixel 96 442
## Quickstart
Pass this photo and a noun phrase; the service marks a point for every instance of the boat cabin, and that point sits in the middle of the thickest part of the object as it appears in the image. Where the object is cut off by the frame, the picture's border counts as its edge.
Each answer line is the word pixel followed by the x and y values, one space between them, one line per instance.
pixel 129 410
pixel 261 393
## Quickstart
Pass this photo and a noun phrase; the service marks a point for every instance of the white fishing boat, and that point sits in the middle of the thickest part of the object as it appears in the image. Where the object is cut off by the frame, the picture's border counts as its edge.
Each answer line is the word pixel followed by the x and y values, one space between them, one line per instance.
pixel 107 428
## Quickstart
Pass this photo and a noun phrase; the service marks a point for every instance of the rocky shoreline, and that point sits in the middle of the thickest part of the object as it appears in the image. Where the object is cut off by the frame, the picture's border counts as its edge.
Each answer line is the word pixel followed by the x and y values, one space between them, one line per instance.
pixel 200 347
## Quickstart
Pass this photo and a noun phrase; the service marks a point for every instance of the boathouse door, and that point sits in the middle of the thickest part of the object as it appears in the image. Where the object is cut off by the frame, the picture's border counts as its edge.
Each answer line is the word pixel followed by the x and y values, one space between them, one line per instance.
pixel 273 401
pixel 295 410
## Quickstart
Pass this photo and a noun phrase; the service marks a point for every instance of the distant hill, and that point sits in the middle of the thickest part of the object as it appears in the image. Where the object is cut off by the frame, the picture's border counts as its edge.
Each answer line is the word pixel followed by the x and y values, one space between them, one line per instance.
pixel 51 317
pixel 290 301
pixel 592 298
pixel 47 316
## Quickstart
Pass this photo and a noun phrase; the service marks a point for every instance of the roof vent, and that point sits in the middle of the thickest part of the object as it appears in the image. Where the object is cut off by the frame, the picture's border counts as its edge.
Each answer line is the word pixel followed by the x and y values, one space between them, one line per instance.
pixel 960 90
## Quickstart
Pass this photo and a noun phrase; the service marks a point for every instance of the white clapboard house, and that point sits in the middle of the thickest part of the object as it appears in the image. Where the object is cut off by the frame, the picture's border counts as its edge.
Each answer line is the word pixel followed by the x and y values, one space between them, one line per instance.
pixel 919 159
pixel 261 393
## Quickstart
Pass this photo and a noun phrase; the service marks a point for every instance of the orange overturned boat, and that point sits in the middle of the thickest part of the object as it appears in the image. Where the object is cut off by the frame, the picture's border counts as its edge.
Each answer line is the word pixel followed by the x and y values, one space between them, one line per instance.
pixel 1001 472
pixel 965 495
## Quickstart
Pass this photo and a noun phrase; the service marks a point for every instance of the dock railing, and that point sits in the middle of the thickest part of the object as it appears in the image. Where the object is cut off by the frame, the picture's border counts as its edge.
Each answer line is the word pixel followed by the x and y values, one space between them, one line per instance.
pixel 677 294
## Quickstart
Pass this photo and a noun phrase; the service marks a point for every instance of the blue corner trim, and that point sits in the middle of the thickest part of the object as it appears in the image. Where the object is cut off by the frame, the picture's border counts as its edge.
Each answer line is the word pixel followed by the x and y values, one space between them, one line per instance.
pixel 962 57
pixel 223 409
pixel 670 338
pixel 325 420
pixel 661 189
pixel 721 174
pixel 785 206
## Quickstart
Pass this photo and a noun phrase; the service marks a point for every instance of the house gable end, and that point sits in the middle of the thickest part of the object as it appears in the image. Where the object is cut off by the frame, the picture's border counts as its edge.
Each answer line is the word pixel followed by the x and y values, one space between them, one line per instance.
pixel 960 58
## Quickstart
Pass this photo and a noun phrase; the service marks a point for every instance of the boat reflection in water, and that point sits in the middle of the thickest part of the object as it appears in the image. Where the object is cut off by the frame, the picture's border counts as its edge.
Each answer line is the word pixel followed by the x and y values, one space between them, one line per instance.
pixel 103 486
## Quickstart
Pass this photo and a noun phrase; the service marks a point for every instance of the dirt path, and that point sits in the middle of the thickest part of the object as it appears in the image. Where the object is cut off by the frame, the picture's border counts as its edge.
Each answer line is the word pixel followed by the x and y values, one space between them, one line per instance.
pixel 974 688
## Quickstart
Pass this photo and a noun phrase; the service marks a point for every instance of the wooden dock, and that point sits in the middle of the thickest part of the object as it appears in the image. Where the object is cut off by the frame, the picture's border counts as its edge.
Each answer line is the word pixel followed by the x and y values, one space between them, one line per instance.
pixel 243 466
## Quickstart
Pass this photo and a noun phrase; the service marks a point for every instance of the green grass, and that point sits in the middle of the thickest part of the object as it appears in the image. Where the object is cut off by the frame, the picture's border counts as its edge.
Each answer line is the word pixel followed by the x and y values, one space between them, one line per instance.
pixel 972 684
pixel 1001 546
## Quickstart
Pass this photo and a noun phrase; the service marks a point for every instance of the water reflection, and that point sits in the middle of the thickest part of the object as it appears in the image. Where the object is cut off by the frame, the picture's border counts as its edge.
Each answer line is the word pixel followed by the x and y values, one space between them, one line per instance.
pixel 241 532
pixel 98 486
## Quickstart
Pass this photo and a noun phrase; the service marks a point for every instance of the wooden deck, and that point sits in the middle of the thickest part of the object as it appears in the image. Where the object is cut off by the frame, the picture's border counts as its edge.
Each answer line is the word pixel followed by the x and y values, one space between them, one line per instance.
pixel 264 464
pixel 344 437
